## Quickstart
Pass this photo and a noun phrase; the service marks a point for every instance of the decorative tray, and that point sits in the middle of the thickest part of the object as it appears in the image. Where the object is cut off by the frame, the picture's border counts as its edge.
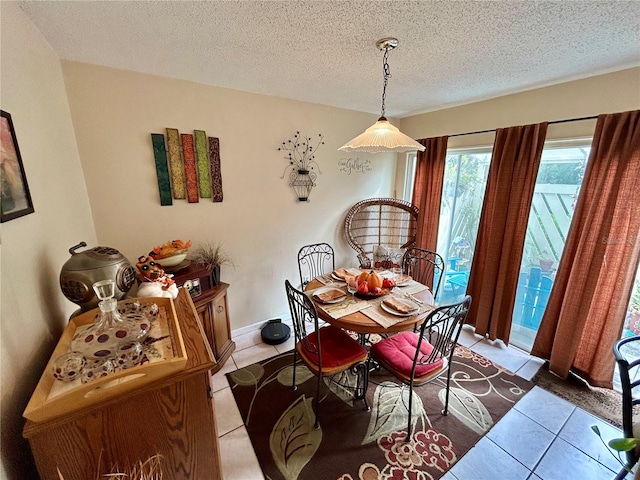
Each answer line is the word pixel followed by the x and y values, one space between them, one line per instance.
pixel 369 296
pixel 164 354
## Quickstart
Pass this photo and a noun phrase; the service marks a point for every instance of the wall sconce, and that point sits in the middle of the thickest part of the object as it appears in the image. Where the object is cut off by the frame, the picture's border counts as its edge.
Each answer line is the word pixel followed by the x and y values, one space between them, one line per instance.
pixel 301 157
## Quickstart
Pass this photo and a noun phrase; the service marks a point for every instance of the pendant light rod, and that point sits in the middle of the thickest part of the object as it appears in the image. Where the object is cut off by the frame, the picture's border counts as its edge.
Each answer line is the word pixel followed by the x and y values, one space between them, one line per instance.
pixel 386 44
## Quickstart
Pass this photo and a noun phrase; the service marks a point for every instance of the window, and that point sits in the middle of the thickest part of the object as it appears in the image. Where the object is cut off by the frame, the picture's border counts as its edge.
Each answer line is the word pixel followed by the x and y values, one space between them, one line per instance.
pixel 465 180
pixel 554 198
pixel 410 176
pixel 559 179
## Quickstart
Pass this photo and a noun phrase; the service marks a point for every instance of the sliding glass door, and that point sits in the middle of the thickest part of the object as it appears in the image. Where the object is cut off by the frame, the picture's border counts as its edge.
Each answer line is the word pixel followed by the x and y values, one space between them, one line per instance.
pixel 630 329
pixel 465 180
pixel 557 186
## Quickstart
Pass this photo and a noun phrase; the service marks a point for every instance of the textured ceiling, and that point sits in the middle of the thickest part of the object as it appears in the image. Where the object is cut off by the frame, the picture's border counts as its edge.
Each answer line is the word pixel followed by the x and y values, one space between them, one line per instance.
pixel 450 53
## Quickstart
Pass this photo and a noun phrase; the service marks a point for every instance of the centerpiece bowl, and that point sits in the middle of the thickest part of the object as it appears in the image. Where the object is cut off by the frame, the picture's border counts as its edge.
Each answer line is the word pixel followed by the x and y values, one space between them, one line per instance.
pixel 172 260
pixel 369 296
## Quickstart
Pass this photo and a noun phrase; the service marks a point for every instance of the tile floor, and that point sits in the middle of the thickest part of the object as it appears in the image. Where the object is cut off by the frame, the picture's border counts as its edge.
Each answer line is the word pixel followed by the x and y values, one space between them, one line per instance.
pixel 542 438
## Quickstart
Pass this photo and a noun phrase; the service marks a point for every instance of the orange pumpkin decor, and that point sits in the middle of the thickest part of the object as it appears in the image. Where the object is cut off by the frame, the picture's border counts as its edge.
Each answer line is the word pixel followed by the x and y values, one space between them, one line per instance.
pixel 372 279
pixel 375 280
pixel 364 277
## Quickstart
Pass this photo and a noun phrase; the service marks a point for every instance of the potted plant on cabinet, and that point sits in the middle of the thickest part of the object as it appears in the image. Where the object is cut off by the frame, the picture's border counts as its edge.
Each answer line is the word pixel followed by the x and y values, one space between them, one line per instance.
pixel 213 256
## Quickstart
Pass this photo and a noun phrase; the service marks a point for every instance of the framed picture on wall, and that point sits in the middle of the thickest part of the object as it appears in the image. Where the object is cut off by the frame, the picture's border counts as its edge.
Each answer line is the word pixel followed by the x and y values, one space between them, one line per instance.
pixel 15 199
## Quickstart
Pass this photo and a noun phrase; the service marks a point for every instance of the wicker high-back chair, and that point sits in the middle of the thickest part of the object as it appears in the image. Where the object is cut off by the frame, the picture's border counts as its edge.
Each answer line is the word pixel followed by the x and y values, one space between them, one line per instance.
pixel 387 222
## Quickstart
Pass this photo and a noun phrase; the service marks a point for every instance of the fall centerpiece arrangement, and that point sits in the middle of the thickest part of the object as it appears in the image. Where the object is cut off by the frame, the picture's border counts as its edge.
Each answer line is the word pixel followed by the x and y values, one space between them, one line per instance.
pixel 372 284
pixel 153 274
pixel 170 253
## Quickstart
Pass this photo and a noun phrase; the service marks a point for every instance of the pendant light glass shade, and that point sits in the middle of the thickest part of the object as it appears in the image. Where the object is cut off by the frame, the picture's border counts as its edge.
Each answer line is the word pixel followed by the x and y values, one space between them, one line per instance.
pixel 382 137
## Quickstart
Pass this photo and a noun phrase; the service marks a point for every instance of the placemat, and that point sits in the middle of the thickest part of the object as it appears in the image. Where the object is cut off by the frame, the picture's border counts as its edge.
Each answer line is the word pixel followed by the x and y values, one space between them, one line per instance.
pixel 349 305
pixel 386 320
pixel 413 287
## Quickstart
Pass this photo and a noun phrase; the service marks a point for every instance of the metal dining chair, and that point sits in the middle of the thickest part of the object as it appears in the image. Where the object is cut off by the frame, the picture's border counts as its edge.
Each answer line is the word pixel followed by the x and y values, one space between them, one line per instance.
pixel 315 260
pixel 419 358
pixel 424 266
pixel 628 360
pixel 326 351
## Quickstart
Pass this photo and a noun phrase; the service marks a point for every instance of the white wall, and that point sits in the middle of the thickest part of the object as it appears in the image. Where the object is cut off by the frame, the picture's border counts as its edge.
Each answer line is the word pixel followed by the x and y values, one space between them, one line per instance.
pixel 34 247
pixel 610 93
pixel 260 223
pixel 113 114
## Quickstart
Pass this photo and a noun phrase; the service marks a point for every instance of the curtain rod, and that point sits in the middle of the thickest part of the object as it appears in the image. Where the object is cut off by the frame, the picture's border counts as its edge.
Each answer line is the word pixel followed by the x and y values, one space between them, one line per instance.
pixel 593 117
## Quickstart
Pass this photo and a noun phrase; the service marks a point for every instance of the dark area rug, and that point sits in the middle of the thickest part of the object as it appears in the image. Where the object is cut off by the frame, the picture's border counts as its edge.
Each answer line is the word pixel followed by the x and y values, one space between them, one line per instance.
pixel 353 444
pixel 601 402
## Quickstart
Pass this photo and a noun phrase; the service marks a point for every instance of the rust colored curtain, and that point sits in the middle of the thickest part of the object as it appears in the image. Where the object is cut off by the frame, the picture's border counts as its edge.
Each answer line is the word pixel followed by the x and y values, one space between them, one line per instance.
pixel 588 301
pixel 427 190
pixel 503 225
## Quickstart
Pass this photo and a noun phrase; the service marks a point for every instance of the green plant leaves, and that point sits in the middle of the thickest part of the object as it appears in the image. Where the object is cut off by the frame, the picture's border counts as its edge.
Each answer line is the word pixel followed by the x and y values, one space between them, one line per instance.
pixel 624 444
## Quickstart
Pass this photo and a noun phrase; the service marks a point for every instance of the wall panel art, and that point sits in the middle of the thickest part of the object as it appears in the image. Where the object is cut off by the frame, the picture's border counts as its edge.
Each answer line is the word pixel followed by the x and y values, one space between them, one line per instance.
pixel 175 164
pixel 202 162
pixel 188 166
pixel 162 170
pixel 191 177
pixel 216 173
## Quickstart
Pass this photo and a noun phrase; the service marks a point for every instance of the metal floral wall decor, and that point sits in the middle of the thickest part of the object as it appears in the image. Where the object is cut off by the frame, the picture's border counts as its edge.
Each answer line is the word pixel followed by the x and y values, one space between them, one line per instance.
pixel 302 167
pixel 354 165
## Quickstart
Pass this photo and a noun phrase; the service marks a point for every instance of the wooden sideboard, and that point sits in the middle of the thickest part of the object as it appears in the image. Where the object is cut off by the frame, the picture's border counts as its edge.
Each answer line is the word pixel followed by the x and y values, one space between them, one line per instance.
pixel 212 308
pixel 173 417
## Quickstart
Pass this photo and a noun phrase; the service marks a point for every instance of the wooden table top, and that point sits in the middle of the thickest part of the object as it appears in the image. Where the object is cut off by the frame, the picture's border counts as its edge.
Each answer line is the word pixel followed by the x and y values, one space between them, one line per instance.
pixel 360 323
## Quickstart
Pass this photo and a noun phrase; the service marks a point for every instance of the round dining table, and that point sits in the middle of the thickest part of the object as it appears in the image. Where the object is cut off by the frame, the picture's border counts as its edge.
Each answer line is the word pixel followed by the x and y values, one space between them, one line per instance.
pixel 360 323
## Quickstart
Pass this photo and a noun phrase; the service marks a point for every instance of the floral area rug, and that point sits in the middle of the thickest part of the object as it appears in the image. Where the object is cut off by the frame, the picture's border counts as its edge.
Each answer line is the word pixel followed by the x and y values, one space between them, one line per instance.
pixel 353 444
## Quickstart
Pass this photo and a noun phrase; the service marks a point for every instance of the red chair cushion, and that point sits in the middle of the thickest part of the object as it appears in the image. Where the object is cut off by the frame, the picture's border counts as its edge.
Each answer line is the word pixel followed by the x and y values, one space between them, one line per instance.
pixel 338 348
pixel 400 350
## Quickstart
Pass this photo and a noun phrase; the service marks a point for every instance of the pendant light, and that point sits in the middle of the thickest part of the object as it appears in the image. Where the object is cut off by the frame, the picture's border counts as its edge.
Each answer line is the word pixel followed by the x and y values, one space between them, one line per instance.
pixel 382 136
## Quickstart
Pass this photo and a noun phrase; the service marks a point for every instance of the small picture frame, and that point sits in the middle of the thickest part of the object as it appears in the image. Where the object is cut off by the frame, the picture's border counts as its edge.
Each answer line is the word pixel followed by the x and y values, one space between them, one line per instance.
pixel 15 199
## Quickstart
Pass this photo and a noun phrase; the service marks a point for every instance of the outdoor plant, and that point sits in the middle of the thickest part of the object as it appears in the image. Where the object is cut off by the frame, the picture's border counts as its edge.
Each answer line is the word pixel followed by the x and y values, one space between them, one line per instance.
pixel 633 314
pixel 635 298
pixel 545 260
